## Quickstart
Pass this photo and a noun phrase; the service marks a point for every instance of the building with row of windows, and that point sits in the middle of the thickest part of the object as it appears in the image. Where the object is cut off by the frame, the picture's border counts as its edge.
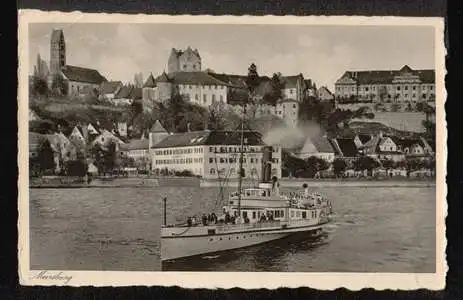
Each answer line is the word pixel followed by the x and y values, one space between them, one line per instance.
pixel 393 86
pixel 213 154
pixel 185 78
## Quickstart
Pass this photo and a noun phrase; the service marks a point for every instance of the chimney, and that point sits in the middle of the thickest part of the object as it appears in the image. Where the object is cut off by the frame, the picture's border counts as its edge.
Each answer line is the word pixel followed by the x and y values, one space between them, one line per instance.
pixel 266 164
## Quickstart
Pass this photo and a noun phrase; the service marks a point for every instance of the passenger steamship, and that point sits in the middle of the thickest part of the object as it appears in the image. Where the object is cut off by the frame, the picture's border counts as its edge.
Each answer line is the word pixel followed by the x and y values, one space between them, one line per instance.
pixel 251 216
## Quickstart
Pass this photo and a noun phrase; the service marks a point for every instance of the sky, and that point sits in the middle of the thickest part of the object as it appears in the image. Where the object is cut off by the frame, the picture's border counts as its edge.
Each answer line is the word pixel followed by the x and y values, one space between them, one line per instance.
pixel 320 52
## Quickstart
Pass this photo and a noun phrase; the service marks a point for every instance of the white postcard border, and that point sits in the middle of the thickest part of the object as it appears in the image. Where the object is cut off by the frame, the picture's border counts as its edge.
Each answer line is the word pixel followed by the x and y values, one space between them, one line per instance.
pixel 271 280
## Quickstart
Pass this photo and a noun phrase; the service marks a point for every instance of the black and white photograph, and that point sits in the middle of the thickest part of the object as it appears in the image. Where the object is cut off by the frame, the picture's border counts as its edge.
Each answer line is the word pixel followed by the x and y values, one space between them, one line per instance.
pixel 266 146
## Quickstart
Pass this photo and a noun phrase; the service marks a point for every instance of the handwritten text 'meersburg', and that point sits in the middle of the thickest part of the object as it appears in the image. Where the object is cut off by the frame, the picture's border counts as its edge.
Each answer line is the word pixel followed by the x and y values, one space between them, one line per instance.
pixel 46 275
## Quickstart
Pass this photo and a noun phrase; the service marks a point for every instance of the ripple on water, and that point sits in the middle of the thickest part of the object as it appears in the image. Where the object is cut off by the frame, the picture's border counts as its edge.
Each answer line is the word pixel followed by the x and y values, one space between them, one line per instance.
pixel 374 230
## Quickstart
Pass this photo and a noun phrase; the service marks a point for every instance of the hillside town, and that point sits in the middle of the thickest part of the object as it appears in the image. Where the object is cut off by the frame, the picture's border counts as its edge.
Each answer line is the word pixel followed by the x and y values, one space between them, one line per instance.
pixel 182 121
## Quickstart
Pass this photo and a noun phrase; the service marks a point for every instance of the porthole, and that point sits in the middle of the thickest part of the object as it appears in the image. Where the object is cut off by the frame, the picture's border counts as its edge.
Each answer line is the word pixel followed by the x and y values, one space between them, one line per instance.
pixel 220 238
pixel 210 240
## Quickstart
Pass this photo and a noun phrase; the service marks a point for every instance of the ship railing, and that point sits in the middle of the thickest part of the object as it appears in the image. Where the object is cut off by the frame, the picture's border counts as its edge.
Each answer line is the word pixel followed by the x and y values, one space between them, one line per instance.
pixel 237 227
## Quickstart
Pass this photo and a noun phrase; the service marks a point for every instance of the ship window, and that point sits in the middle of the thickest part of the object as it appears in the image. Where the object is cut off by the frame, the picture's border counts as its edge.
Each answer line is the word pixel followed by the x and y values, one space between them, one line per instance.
pixel 253 214
pixel 298 214
pixel 315 213
pixel 282 213
pixel 292 214
pixel 245 214
pixel 304 215
pixel 258 214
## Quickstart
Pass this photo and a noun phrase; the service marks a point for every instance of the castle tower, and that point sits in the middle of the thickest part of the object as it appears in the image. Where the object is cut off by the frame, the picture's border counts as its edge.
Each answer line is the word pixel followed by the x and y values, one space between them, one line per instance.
pixel 57 51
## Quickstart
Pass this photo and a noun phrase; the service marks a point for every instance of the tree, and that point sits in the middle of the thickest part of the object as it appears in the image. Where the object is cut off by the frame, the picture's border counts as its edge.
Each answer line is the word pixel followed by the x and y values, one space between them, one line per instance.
pixel 76 168
pixel 39 86
pixel 339 166
pixel 138 80
pixel 44 161
pixel 317 164
pixel 387 164
pixel 252 81
pixel 366 163
pixel 59 86
pixel 275 94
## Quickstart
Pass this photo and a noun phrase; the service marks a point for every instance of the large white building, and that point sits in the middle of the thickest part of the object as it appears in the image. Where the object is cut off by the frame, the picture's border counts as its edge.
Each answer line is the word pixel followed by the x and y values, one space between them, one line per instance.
pixel 213 154
pixel 396 86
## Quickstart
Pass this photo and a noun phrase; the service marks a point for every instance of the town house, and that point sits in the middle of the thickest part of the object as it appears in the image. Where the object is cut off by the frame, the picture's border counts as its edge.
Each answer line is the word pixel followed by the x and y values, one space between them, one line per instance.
pixel 213 154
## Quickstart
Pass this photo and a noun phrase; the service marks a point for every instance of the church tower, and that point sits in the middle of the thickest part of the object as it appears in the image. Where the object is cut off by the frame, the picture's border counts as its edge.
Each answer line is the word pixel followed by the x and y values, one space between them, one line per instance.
pixel 57 51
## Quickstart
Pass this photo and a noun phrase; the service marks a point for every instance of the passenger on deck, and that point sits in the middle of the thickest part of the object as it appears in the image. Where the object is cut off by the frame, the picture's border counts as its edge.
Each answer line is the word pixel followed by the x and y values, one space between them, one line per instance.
pixel 227 218
pixel 263 218
pixel 204 219
pixel 213 218
pixel 246 220
pixel 189 222
pixel 233 220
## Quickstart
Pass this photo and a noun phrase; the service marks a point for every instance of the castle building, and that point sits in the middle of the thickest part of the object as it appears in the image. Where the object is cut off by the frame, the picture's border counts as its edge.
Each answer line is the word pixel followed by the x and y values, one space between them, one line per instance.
pixel 394 86
pixel 76 79
pixel 184 61
pixel 213 154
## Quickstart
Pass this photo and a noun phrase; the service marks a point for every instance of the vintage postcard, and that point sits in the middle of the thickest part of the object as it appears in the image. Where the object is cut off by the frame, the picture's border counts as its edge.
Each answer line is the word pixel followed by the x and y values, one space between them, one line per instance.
pixel 221 152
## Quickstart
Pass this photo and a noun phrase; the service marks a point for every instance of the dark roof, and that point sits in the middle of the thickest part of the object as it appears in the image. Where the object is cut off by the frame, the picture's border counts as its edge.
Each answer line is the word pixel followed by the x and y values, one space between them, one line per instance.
pixel 233 80
pixel 110 87
pixel 80 74
pixel 196 138
pixel 387 76
pixel 291 81
pixel 364 138
pixel 347 147
pixel 150 82
pixel 129 92
pixel 163 78
pixel 135 145
pixel 195 78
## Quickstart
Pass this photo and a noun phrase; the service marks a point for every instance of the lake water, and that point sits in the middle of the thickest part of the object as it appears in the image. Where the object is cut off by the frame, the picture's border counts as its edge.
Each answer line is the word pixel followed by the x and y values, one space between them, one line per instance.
pixel 118 229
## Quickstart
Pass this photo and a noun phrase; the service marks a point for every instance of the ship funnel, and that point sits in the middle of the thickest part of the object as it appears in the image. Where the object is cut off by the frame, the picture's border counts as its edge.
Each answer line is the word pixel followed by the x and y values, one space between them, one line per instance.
pixel 266 164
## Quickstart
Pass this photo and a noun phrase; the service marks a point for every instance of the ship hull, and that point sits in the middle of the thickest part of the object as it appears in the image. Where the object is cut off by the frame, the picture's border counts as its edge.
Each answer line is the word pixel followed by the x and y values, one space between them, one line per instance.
pixel 192 245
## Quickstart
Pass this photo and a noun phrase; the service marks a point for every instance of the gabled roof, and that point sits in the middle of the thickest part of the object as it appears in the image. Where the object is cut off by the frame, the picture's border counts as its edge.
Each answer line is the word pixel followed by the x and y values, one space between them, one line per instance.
pixel 157 127
pixel 110 87
pixel 163 78
pixel 150 82
pixel 318 144
pixel 80 74
pixel 365 138
pixel 325 90
pixel 197 138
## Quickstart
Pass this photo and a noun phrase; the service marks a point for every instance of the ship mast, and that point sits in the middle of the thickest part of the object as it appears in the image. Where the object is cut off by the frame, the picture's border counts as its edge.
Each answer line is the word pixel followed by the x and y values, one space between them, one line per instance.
pixel 240 168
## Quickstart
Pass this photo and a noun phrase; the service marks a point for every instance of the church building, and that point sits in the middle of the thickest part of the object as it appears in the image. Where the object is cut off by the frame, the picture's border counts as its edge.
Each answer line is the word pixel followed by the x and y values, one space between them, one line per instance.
pixel 77 79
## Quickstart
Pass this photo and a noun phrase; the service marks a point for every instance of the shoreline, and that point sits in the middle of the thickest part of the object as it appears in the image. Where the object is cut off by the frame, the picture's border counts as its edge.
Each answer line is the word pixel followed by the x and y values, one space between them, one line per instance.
pixel 205 183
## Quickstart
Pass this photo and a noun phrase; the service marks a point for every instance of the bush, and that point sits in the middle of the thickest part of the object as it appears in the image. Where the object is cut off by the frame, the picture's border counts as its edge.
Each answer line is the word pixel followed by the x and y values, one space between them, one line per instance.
pixel 76 168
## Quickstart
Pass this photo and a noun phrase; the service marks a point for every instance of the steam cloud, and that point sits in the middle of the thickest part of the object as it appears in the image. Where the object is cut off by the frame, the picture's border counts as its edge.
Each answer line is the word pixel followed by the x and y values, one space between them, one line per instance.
pixel 289 137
